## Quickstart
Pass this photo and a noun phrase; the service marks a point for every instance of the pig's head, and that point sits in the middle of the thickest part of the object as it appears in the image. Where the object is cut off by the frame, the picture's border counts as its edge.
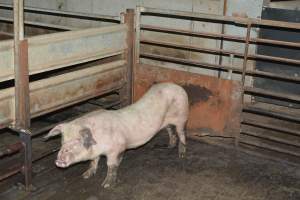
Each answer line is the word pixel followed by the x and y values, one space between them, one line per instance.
pixel 76 144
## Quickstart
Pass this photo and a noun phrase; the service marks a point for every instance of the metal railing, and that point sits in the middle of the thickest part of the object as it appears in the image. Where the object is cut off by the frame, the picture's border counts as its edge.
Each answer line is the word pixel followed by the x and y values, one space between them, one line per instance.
pixel 99 79
pixel 248 24
pixel 58 13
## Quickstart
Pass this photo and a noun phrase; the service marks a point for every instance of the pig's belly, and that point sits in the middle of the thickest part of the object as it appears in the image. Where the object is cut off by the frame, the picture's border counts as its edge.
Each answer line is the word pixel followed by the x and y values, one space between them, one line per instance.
pixel 143 129
pixel 138 141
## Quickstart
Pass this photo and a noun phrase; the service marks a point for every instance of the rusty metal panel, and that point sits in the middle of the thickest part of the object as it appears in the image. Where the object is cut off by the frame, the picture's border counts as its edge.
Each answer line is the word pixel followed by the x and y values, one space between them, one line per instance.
pixel 53 51
pixel 215 103
pixel 53 93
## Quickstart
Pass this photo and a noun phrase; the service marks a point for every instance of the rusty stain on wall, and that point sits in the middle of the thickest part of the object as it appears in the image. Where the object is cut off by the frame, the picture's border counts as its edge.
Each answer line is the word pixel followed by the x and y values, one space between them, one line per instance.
pixel 197 93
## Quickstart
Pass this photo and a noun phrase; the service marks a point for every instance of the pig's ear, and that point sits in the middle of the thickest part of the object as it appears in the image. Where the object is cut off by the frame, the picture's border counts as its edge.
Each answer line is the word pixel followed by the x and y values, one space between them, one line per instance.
pixel 55 131
pixel 87 137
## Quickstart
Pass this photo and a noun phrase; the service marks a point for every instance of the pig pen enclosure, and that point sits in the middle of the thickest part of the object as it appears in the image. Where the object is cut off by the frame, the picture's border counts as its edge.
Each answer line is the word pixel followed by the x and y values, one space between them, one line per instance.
pixel 244 133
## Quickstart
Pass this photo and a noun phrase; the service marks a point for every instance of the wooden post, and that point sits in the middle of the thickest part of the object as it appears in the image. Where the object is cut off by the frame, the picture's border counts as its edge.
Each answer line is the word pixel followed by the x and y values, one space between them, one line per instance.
pixel 22 104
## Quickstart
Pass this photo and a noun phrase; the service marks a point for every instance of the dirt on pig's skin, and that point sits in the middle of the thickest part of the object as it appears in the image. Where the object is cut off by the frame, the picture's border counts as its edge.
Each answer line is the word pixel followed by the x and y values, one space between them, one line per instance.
pixel 154 172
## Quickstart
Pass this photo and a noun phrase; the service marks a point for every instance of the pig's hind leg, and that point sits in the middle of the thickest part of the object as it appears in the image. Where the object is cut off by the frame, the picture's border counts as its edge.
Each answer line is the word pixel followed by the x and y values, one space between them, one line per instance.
pixel 182 140
pixel 171 129
pixel 92 169
pixel 113 162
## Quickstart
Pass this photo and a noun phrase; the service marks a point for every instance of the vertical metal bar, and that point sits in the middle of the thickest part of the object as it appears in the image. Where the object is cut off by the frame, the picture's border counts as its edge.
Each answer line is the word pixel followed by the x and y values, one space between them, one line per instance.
pixel 139 10
pixel 22 109
pixel 129 21
pixel 25 137
pixel 229 76
pixel 246 53
pixel 22 117
pixel 222 39
pixel 126 93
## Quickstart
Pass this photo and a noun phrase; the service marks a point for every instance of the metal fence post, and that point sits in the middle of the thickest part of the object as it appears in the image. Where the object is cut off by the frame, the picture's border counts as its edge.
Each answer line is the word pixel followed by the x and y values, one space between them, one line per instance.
pixel 128 19
pixel 22 104
pixel 244 72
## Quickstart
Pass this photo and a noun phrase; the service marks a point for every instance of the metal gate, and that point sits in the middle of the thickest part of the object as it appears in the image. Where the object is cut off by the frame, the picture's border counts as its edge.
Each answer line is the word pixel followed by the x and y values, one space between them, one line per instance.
pixel 158 58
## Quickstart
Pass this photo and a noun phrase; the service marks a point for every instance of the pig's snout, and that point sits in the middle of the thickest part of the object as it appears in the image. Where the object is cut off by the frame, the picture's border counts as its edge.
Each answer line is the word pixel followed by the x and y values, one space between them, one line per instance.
pixel 64 159
pixel 60 163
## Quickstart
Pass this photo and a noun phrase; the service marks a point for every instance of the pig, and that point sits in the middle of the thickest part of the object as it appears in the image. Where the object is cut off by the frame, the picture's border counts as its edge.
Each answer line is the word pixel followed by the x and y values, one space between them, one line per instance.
pixel 111 132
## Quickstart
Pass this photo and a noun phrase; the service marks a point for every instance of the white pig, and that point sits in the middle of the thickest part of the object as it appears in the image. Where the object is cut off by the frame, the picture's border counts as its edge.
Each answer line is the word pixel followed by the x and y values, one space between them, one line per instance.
pixel 110 133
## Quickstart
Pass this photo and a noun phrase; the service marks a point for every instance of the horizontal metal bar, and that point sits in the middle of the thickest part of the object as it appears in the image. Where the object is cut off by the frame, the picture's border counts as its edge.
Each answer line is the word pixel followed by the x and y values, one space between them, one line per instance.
pixel 11 149
pixel 46 154
pixel 114 19
pixel 18 168
pixel 217 67
pixel 6 34
pixel 13 170
pixel 273 75
pixel 220 36
pixel 60 91
pixel 218 51
pixel 40 131
pixel 110 105
pixel 271 127
pixel 275 59
pixel 275 42
pixel 285 116
pixel 278 95
pixel 64 49
pixel 188 62
pixel 267 146
pixel 41 24
pixel 190 47
pixel 192 33
pixel 269 137
pixel 219 18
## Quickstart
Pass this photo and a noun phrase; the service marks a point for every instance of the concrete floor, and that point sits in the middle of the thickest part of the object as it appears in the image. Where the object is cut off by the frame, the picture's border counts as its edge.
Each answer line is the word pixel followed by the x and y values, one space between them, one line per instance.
pixel 156 173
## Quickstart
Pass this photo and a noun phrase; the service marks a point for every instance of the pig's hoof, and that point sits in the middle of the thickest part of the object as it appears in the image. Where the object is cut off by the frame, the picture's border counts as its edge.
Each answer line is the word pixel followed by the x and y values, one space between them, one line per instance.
pixel 89 173
pixel 109 183
pixel 181 155
pixel 171 145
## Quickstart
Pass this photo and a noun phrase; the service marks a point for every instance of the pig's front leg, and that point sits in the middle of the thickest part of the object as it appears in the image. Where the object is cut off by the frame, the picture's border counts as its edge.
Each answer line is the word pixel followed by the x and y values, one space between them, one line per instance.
pixel 92 169
pixel 113 162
